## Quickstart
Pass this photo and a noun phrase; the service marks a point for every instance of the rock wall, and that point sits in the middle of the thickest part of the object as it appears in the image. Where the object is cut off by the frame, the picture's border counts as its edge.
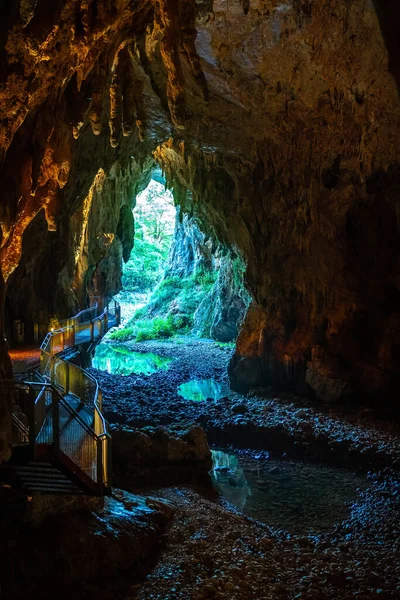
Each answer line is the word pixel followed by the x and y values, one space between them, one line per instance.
pixel 221 313
pixel 191 250
pixel 277 125
pixel 306 188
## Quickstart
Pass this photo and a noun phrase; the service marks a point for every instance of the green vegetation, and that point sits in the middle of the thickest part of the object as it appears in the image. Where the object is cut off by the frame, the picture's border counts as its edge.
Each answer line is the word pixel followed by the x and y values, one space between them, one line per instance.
pixel 226 345
pixel 170 310
pixel 154 230
pixel 174 299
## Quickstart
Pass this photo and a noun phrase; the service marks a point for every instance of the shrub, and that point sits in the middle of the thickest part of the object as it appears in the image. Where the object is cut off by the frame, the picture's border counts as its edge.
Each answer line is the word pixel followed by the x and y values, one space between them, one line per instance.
pixel 122 335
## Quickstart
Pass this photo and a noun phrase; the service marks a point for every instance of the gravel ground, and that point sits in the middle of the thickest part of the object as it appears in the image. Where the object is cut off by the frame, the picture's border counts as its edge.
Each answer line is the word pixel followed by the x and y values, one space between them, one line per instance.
pixel 212 552
pixel 278 423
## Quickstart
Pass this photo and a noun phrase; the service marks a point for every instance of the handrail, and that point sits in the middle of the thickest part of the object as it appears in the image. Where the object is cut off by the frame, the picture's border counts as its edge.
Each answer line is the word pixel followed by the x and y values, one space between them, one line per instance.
pixel 58 341
pixel 48 404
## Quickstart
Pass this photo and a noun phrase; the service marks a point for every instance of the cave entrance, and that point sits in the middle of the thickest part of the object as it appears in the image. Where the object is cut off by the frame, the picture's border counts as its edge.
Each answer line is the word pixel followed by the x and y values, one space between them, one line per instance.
pixel 154 215
pixel 180 287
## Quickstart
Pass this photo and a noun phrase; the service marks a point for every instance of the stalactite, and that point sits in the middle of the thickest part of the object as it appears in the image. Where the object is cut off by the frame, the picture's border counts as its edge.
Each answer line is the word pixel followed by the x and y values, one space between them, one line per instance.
pixel 128 81
pixel 98 82
pixel 167 18
pixel 115 121
pixel 189 33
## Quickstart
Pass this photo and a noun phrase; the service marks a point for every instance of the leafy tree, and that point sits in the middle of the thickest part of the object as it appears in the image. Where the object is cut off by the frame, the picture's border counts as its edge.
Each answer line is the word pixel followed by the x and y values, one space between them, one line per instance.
pixel 154 228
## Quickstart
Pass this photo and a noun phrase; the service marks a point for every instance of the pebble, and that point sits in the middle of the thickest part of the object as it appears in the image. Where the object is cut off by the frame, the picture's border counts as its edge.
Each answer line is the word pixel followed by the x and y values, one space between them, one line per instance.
pixel 355 559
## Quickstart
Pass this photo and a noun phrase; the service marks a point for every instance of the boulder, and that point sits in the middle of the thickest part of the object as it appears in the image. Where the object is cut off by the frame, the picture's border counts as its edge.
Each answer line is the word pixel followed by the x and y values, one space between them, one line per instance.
pixel 160 446
pixel 90 546
pixel 326 378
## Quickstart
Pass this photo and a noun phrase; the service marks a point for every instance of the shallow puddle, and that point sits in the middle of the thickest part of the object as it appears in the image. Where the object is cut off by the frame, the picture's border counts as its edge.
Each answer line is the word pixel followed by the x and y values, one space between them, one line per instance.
pixel 201 389
pixel 119 359
pixel 295 496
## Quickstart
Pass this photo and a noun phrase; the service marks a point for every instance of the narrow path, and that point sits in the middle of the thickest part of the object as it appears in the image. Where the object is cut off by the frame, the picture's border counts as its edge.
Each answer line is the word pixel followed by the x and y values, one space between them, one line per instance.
pixel 25 358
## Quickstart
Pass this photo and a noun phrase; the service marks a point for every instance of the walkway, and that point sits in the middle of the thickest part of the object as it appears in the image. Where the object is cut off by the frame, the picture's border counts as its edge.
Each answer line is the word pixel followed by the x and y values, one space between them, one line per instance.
pixel 58 411
pixel 25 358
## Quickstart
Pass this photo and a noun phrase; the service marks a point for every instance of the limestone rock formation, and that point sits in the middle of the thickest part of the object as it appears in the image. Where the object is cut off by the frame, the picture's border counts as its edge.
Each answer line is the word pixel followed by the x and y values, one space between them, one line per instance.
pixel 326 377
pixel 160 446
pixel 222 311
pixel 192 250
pixel 277 125
pixel 87 547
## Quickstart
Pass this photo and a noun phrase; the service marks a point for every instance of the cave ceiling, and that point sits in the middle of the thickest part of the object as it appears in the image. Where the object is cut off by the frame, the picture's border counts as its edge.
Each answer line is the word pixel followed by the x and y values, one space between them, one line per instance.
pixel 276 123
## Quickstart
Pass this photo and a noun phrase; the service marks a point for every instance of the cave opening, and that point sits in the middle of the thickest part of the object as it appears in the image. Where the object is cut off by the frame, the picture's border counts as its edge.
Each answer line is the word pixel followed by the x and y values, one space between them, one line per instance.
pixel 180 286
pixel 154 223
pixel 277 128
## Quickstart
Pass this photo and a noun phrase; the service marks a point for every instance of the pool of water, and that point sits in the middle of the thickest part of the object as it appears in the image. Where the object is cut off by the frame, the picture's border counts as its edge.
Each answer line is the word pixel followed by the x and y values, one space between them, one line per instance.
pixel 201 389
pixel 301 498
pixel 119 359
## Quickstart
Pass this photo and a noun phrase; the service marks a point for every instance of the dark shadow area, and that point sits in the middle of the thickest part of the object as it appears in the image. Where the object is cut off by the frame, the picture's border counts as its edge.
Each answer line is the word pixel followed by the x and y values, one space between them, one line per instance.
pixel 388 12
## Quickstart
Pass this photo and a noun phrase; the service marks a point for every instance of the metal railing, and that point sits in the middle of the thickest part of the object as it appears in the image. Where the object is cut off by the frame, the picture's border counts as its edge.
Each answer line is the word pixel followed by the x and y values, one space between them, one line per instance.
pixel 44 412
pixel 48 427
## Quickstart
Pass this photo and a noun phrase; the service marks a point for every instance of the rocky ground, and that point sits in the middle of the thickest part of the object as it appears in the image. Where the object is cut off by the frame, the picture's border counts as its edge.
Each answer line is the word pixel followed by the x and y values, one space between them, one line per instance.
pixel 211 550
pixel 215 553
pixel 278 423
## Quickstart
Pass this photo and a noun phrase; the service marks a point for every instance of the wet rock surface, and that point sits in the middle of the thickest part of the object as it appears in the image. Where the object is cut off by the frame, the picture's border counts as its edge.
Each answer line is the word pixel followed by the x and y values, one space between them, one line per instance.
pixel 260 419
pixel 89 547
pixel 215 553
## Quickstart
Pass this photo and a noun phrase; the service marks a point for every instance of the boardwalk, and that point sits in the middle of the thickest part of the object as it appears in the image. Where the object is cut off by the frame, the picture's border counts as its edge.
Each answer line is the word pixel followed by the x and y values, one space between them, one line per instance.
pixel 65 420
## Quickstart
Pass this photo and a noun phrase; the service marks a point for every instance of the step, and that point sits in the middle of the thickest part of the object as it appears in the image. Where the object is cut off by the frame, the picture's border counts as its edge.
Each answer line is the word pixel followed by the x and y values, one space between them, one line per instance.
pixel 40 477
pixel 48 489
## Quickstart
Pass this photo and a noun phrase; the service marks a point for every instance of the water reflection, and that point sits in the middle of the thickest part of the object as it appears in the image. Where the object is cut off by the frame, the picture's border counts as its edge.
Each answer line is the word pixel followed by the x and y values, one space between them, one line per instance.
pixel 229 478
pixel 285 494
pixel 119 359
pixel 201 389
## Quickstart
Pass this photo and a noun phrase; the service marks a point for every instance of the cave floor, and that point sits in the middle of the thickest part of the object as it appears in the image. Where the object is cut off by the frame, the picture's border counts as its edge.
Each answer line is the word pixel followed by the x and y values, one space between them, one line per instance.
pixel 213 551
pixel 280 423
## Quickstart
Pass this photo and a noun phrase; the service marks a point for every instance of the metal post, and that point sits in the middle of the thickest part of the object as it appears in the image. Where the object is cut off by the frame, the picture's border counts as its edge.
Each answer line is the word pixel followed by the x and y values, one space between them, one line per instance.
pixel 67 377
pixel 82 386
pixel 52 369
pixel 30 413
pixel 99 463
pixel 55 414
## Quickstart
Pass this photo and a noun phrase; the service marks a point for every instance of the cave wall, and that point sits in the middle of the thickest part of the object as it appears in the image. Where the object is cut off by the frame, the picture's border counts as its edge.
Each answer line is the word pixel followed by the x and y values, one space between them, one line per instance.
pixel 282 120
pixel 191 249
pixel 300 173
pixel 220 314
pixel 72 150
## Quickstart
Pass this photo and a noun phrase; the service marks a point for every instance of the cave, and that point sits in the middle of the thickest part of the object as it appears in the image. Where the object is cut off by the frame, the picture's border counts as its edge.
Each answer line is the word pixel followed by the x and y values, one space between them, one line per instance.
pixel 260 457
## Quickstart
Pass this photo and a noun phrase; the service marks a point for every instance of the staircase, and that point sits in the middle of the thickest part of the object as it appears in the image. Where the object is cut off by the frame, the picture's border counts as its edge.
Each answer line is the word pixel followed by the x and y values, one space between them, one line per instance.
pixel 61 442
pixel 40 477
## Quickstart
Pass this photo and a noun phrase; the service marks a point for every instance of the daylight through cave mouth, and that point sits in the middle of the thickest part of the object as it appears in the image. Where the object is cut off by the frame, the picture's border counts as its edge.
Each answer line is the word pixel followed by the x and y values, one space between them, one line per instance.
pixel 177 282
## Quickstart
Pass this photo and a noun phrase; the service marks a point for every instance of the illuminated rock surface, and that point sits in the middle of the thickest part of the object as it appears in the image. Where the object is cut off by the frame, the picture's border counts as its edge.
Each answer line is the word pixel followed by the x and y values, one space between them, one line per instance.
pixel 277 124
